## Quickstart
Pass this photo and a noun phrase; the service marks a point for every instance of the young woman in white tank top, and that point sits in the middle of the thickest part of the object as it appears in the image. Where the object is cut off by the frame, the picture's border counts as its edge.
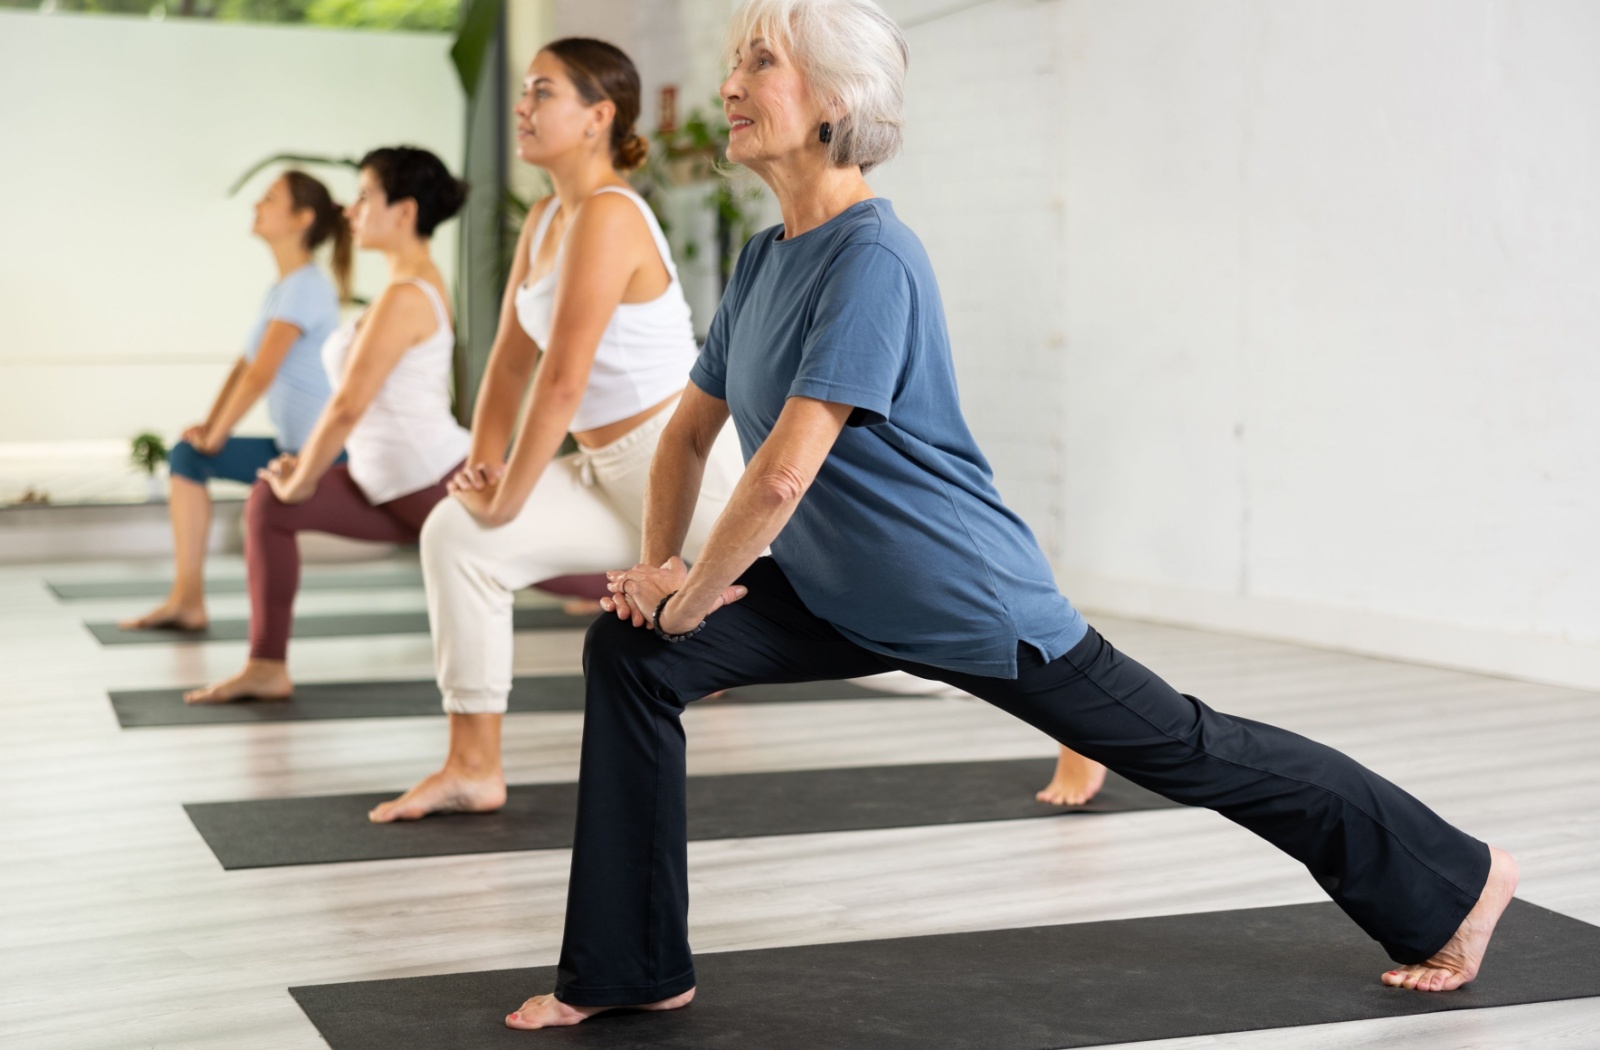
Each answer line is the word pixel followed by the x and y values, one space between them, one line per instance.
pixel 390 413
pixel 593 316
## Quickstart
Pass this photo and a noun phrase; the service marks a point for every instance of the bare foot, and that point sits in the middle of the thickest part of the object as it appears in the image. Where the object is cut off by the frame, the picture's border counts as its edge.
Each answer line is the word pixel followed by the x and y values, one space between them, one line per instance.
pixel 169 616
pixel 1457 962
pixel 546 1011
pixel 260 680
pixel 446 791
pixel 1077 780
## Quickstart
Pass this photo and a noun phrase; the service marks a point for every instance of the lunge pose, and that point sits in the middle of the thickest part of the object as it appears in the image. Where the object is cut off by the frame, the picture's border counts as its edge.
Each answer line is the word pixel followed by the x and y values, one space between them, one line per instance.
pixel 390 411
pixel 892 550
pixel 295 216
pixel 595 290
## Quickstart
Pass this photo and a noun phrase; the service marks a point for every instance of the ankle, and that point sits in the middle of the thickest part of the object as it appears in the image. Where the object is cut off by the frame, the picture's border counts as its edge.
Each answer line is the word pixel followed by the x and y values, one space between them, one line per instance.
pixel 474 765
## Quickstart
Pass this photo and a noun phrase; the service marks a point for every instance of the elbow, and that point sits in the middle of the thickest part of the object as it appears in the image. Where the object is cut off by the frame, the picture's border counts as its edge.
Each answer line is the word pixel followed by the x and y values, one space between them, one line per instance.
pixel 344 411
pixel 780 485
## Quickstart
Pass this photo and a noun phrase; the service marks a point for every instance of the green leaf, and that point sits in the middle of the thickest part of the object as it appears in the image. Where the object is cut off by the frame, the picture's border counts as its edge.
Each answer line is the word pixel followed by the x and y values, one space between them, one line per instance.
pixel 290 158
pixel 478 21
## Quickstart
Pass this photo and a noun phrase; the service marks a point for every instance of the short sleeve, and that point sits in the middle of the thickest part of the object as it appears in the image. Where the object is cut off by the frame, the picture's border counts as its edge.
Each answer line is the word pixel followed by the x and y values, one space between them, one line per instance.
pixel 710 371
pixel 301 300
pixel 861 332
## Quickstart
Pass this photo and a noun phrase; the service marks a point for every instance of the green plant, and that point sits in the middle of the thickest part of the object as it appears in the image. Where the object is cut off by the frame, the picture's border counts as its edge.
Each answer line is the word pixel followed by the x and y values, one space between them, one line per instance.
pixel 148 452
pixel 693 153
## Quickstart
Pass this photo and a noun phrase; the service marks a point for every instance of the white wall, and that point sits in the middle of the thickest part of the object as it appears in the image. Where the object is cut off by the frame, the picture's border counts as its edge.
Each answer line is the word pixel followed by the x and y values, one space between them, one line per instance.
pixel 127 278
pixel 1333 303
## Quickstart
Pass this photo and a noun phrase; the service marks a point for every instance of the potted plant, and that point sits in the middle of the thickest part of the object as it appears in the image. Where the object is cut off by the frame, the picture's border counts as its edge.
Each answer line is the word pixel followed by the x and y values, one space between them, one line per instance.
pixel 148 453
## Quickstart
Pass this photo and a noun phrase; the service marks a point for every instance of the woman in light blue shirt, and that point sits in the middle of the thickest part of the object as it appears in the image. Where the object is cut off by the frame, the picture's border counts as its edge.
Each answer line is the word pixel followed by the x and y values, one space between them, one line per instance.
pixel 282 359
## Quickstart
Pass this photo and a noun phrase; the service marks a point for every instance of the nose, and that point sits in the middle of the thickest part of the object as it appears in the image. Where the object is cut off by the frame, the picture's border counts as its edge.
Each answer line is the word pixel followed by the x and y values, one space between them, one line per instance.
pixel 732 90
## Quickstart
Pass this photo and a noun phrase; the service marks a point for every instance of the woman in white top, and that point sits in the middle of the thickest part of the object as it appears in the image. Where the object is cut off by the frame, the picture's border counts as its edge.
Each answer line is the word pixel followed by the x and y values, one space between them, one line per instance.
pixel 594 290
pixel 390 412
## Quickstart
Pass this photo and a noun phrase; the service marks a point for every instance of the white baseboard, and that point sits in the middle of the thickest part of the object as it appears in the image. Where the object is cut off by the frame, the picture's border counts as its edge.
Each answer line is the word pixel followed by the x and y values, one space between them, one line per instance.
pixel 1531 657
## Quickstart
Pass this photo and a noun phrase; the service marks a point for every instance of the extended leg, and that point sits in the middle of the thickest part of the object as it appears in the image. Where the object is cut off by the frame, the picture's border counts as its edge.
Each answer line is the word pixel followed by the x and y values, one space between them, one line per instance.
pixel 1407 877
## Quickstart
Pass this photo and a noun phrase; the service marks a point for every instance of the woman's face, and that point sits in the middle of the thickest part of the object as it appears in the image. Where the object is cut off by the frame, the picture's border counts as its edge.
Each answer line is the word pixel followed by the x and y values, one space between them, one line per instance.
pixel 552 118
pixel 770 112
pixel 276 218
pixel 374 222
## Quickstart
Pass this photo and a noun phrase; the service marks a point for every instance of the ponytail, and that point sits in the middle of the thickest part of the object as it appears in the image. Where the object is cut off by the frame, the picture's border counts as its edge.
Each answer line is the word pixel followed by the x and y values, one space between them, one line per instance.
pixel 343 251
pixel 328 222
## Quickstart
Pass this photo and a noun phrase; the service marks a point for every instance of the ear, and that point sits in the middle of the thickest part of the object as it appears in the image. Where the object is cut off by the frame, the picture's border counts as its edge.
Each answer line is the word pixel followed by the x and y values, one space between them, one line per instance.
pixel 408 212
pixel 603 113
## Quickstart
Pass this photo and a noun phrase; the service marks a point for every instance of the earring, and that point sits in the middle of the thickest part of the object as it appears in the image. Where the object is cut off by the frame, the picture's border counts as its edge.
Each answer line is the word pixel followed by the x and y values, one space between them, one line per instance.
pixel 589 134
pixel 825 133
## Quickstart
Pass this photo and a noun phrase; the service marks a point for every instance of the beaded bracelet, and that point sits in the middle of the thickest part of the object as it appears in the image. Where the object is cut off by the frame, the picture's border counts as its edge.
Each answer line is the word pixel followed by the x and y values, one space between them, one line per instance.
pixel 655 624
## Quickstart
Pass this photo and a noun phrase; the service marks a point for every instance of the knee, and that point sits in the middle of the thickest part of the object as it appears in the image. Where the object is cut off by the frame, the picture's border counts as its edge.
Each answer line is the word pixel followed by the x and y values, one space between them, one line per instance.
pixel 614 648
pixel 260 508
pixel 184 461
pixel 447 533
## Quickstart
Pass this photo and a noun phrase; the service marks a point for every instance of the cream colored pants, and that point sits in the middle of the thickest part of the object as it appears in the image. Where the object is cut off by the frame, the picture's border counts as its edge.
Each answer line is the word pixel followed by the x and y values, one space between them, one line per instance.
pixel 582 517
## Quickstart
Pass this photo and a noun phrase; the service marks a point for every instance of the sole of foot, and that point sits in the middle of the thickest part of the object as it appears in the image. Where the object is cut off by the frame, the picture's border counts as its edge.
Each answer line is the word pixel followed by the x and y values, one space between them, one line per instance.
pixel 249 684
pixel 1458 961
pixel 546 1011
pixel 442 793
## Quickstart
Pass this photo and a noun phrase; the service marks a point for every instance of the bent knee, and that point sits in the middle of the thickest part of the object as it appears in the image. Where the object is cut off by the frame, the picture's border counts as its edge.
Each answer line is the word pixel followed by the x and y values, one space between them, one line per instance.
pixel 611 644
pixel 184 461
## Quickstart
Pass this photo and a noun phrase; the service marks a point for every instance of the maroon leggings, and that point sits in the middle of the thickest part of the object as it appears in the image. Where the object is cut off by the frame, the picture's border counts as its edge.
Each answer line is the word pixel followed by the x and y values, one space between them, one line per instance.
pixel 272 556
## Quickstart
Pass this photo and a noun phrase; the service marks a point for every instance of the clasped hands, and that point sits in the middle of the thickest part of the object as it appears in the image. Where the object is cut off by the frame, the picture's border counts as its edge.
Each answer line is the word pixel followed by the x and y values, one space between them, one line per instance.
pixel 636 593
pixel 200 437
pixel 285 481
pixel 473 486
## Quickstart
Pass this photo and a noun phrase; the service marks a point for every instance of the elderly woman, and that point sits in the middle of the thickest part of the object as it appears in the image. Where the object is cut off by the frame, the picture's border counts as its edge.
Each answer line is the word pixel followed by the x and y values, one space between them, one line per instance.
pixel 892 550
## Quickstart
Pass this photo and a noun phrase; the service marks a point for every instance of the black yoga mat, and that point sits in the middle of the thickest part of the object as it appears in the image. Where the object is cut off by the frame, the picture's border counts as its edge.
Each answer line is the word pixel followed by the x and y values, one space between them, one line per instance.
pixel 330 625
pixel 158 588
pixel 412 697
pixel 277 832
pixel 1085 984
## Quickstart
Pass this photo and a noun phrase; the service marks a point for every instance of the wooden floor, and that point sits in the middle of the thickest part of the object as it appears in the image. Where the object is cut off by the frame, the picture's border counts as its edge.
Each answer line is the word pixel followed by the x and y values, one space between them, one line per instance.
pixel 119 929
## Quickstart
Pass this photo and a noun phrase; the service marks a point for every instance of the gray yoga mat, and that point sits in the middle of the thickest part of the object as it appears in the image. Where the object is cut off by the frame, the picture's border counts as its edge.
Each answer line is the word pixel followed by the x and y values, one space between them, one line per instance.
pixel 88 590
pixel 1084 984
pixel 331 828
pixel 420 697
pixel 328 625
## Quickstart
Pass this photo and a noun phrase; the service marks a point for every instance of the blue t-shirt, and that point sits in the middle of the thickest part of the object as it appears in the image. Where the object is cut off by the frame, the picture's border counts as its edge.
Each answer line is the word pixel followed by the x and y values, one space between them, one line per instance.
pixel 306 299
pixel 902 542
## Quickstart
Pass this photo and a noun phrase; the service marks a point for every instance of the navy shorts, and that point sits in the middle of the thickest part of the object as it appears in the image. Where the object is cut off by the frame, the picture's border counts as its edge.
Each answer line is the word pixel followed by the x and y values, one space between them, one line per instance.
pixel 237 460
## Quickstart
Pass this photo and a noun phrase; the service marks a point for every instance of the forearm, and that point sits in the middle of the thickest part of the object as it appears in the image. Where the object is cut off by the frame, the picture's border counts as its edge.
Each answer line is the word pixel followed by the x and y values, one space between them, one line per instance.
pixel 225 393
pixel 494 418
pixel 670 497
pixel 544 428
pixel 755 515
pixel 245 389
pixel 324 445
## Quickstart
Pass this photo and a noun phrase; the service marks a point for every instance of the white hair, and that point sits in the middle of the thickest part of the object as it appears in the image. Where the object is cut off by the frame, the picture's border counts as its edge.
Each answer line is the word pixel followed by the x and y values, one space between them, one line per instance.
pixel 854 59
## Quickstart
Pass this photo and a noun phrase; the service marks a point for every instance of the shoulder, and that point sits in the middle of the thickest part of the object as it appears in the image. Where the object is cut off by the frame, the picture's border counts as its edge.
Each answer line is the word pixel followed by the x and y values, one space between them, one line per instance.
pixel 605 215
pixel 309 282
pixel 401 303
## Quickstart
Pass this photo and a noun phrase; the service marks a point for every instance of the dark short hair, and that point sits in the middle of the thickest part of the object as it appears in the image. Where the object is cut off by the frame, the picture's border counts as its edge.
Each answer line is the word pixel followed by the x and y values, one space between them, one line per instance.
pixel 409 173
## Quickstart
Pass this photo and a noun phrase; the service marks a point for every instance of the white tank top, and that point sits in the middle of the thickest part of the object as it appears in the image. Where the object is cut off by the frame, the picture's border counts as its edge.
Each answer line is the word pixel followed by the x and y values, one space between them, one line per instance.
pixel 407 439
pixel 647 349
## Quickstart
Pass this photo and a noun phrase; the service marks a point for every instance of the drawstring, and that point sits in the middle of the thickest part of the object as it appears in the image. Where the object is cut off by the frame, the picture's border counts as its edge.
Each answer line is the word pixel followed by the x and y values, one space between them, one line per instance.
pixel 584 461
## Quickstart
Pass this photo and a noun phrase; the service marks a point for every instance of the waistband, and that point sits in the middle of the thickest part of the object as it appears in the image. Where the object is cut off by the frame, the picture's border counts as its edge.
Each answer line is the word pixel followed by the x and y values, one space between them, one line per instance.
pixel 626 448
